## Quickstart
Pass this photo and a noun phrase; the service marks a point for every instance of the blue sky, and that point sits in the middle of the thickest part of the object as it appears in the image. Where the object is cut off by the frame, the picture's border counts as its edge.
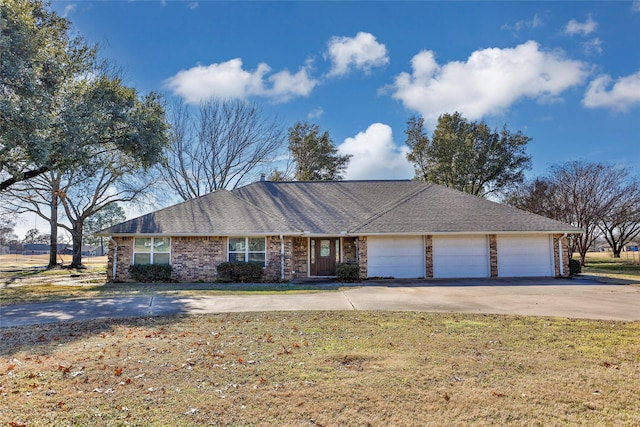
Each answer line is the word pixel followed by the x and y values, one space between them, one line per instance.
pixel 567 74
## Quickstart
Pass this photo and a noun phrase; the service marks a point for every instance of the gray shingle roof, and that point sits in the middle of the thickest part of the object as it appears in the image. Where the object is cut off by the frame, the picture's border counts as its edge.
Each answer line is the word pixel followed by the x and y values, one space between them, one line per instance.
pixel 217 213
pixel 335 207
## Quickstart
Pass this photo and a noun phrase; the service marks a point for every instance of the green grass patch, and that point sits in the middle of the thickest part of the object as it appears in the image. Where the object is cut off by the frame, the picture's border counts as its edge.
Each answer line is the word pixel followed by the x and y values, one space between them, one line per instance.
pixel 53 292
pixel 626 267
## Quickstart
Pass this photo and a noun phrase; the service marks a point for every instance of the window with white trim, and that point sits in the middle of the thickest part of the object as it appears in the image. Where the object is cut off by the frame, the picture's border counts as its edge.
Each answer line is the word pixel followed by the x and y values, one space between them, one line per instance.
pixel 248 249
pixel 152 250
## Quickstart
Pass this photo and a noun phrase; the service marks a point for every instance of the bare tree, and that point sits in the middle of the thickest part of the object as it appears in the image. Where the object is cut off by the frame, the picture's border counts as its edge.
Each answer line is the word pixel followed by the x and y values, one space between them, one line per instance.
pixel 599 198
pixel 220 147
pixel 113 178
pixel 87 192
pixel 589 191
pixel 538 197
pixel 621 224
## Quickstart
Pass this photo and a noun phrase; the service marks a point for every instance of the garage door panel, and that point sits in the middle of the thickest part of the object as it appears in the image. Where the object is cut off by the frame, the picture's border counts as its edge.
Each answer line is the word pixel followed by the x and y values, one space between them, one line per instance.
pixel 525 256
pixel 460 257
pixel 399 257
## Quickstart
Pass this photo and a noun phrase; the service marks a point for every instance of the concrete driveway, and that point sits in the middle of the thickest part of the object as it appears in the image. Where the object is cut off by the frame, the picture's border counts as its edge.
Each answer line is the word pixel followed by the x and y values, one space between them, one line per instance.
pixel 575 298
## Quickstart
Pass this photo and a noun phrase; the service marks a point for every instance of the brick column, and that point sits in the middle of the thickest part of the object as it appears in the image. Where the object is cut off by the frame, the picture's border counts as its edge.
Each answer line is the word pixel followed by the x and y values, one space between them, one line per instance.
pixel 493 254
pixel 362 256
pixel 560 252
pixel 428 250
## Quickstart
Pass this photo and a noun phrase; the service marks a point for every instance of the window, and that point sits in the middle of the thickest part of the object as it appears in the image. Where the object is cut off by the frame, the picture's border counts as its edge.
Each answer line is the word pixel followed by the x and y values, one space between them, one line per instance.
pixel 247 249
pixel 151 250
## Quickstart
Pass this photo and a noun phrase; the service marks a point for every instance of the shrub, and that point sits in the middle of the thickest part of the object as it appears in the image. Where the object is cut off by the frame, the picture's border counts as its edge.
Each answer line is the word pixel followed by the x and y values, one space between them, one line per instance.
pixel 574 267
pixel 148 273
pixel 240 272
pixel 348 272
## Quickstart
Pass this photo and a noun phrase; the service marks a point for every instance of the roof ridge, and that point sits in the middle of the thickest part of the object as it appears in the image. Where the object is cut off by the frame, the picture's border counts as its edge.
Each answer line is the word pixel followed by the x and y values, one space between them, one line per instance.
pixel 391 205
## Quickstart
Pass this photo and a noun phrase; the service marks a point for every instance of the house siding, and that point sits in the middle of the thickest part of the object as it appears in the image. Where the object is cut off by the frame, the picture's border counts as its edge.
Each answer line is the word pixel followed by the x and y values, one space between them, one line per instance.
pixel 195 259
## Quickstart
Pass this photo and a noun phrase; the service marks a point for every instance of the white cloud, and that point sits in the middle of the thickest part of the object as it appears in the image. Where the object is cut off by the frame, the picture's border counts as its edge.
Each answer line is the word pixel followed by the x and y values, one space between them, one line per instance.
pixel 193 5
pixel 69 9
pixel 375 155
pixel 229 80
pixel 316 113
pixel 361 52
pixel 520 25
pixel 489 81
pixel 593 46
pixel 635 6
pixel 574 27
pixel 624 94
pixel 287 85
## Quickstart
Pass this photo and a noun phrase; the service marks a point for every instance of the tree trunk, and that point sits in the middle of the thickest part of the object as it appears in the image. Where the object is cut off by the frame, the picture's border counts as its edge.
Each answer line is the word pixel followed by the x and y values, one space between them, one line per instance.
pixel 76 236
pixel 53 222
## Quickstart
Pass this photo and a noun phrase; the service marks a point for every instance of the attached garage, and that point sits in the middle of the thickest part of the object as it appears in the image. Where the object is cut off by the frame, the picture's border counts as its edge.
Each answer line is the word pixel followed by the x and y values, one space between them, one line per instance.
pixel 397 256
pixel 523 256
pixel 461 257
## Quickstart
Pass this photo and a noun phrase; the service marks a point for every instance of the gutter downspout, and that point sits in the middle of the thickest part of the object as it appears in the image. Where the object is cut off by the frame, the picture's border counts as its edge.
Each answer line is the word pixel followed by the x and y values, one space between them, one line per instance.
pixel 281 257
pixel 115 259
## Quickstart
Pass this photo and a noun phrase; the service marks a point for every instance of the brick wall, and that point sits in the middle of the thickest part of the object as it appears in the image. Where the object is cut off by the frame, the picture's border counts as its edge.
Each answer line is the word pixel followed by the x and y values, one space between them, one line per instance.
pixel 299 264
pixel 275 259
pixel 125 258
pixel 196 259
pixel 348 250
pixel 193 258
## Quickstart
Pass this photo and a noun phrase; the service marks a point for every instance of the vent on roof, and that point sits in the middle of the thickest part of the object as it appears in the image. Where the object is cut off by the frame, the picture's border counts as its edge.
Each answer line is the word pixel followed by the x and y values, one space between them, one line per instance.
pixel 263 177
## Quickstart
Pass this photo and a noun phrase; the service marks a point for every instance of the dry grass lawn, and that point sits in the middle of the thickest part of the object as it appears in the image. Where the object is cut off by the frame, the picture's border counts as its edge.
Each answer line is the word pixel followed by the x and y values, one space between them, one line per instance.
pixel 603 264
pixel 322 369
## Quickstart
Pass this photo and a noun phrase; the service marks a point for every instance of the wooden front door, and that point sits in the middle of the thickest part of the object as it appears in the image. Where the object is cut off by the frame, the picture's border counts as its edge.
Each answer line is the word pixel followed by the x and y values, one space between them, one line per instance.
pixel 324 254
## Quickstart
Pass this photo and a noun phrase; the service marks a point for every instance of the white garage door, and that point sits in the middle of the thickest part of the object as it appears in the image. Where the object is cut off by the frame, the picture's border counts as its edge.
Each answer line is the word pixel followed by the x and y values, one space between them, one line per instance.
pixel 460 256
pixel 399 257
pixel 523 256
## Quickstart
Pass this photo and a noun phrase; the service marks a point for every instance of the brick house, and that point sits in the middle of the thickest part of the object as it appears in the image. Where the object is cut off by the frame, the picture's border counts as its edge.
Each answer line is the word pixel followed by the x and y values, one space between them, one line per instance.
pixel 400 229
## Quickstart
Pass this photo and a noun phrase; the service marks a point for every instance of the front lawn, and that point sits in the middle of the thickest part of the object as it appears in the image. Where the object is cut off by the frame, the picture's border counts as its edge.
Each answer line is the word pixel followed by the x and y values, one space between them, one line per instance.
pixel 322 369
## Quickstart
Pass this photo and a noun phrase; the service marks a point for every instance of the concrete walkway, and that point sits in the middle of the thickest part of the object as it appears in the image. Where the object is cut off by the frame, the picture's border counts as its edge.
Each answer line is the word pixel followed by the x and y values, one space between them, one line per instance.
pixel 575 298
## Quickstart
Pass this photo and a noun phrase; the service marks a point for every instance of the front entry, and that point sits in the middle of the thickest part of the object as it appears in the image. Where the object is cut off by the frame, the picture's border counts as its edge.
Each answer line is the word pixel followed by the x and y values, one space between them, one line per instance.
pixel 324 254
